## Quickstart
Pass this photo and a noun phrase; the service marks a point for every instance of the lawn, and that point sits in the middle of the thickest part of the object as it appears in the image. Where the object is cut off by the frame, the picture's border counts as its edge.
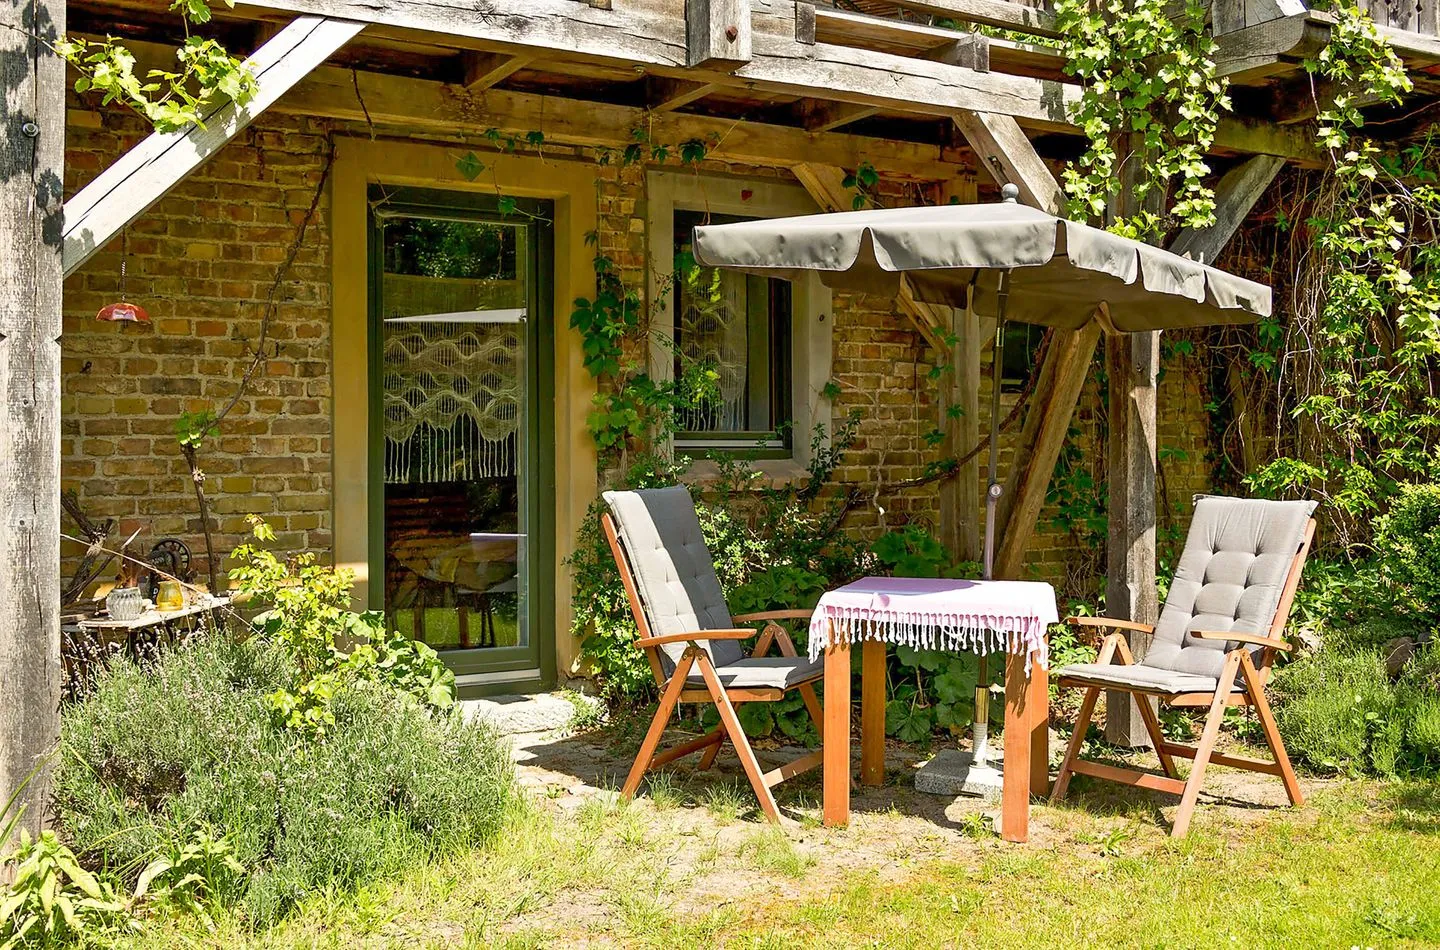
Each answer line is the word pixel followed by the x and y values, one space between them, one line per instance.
pixel 689 864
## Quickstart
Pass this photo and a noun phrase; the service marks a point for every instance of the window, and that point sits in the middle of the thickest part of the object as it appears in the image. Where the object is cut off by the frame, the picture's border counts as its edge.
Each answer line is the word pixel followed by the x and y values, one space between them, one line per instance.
pixel 768 341
pixel 732 331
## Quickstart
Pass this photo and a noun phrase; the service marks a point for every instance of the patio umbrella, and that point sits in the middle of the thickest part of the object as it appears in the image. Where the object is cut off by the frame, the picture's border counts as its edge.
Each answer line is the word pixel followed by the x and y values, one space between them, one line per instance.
pixel 1004 260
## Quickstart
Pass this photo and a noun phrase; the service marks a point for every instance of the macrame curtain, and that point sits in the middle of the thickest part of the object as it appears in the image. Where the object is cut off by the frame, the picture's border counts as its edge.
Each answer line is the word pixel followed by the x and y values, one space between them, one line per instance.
pixel 452 401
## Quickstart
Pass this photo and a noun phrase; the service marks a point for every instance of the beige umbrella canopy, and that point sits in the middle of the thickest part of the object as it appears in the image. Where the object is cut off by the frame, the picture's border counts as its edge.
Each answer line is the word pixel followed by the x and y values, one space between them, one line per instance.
pixel 1059 271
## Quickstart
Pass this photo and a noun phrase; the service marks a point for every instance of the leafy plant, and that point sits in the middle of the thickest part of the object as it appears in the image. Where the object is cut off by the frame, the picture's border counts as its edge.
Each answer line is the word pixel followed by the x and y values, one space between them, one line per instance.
pixel 194 872
pixel 52 899
pixel 1408 539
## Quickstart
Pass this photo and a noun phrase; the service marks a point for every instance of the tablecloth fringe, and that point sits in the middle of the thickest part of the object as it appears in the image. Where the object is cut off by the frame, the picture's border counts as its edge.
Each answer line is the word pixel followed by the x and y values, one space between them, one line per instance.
pixel 927 630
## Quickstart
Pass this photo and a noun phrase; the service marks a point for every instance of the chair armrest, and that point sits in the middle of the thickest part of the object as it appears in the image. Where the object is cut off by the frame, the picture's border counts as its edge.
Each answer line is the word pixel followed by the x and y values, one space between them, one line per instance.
pixel 773 615
pixel 1113 623
pixel 649 642
pixel 1250 638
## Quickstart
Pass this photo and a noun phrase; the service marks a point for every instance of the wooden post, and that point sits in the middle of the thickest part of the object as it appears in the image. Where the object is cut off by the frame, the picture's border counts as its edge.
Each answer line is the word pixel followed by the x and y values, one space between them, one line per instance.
pixel 31 182
pixel 960 496
pixel 717 33
pixel 1132 361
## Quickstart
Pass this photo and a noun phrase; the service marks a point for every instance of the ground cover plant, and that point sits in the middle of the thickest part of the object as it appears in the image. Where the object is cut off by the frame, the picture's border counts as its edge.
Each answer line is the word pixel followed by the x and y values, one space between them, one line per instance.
pixel 242 774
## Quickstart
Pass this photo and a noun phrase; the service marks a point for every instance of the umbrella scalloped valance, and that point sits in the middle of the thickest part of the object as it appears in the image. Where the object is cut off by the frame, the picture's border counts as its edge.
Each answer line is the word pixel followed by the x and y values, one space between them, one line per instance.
pixel 1060 271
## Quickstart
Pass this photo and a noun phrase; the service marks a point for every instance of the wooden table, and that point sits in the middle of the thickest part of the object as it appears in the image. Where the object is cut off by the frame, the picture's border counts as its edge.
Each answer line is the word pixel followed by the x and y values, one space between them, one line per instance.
pixel 1027 751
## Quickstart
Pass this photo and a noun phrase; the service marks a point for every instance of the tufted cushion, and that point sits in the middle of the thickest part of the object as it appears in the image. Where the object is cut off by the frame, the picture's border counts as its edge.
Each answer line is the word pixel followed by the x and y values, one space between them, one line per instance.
pixel 673 569
pixel 1230 576
pixel 1139 676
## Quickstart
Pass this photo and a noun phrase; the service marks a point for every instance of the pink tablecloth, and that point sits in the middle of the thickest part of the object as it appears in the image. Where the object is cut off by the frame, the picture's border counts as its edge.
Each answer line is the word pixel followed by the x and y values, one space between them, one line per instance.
pixel 938 614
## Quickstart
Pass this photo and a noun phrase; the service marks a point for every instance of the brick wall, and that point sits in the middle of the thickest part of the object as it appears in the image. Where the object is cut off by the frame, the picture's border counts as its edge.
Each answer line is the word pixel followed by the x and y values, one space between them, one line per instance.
pixel 202 261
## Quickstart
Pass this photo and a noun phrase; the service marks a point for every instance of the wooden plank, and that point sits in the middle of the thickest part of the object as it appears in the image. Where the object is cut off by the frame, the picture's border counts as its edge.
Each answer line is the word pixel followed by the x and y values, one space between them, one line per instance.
pixel 717 32
pixel 872 713
pixel 835 775
pixel 143 175
pixel 1235 196
pixel 1055 397
pixel 408 105
pixel 804 23
pixel 32 168
pixel 1038 700
pixel 483 70
pixel 663 94
pixel 1007 154
pixel 825 184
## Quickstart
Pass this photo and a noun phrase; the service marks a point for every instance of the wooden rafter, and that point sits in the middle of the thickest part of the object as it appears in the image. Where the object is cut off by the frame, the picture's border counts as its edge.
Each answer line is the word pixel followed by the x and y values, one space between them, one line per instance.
pixel 826 185
pixel 483 70
pixel 717 33
pixel 1235 195
pixel 663 94
pixel 1007 154
pixel 143 175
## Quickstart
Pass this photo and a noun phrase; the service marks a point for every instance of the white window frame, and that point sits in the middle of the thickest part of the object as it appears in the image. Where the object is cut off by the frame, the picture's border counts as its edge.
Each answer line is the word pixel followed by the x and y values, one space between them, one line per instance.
pixel 811 316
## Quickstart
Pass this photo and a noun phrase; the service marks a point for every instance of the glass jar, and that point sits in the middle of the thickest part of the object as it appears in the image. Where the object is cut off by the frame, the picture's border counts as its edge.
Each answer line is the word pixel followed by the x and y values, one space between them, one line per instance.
pixel 125 603
pixel 170 596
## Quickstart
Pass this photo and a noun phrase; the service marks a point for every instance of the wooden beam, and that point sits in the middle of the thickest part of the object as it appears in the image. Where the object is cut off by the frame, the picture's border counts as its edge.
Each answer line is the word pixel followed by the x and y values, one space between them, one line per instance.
pixel 32 170
pixel 1229 16
pixel 1063 376
pixel 717 33
pixel 1235 196
pixel 1006 153
pixel 140 177
pixel 663 94
pixel 409 106
pixel 825 184
pixel 483 70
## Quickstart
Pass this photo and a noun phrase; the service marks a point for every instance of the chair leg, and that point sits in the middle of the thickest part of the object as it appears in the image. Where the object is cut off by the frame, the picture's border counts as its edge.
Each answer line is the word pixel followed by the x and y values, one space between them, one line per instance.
pixel 1077 739
pixel 812 704
pixel 1157 736
pixel 737 738
pixel 1272 732
pixel 1206 745
pixel 712 753
pixel 668 699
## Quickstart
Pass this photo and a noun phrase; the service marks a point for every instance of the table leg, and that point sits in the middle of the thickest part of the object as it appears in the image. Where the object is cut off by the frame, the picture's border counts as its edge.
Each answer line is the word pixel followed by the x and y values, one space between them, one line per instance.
pixel 872 713
pixel 836 759
pixel 1015 797
pixel 1039 703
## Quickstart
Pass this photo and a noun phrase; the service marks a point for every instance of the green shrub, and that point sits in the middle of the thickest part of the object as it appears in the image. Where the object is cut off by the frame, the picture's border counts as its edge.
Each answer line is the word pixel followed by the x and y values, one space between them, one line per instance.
pixel 1407 538
pixel 1336 712
pixel 191 742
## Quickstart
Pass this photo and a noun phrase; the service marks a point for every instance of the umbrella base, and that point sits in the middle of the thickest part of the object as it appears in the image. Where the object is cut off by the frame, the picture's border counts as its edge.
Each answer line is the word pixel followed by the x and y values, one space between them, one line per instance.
pixel 953 772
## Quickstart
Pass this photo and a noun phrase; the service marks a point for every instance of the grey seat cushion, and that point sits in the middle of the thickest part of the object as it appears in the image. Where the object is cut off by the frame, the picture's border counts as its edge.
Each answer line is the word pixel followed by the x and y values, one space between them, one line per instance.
pixel 1147 678
pixel 1230 576
pixel 674 572
pixel 780 672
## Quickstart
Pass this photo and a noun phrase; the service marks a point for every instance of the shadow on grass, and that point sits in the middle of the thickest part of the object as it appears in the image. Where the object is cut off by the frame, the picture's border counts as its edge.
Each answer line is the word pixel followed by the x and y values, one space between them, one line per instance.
pixel 1415 806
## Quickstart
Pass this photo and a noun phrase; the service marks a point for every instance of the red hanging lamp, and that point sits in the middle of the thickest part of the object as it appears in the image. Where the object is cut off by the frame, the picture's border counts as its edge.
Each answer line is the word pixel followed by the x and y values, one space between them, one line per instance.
pixel 123 311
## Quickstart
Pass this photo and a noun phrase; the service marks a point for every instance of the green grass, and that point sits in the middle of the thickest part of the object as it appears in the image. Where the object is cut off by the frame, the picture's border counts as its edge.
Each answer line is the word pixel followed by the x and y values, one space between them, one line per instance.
pixel 1358 866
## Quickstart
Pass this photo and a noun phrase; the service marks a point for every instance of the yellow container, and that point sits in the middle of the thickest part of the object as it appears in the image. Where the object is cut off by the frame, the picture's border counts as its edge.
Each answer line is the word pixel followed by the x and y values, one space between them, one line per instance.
pixel 170 596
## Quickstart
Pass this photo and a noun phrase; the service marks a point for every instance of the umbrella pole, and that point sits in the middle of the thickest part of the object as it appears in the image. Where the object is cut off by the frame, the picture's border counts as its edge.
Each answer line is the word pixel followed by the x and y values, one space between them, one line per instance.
pixel 980 729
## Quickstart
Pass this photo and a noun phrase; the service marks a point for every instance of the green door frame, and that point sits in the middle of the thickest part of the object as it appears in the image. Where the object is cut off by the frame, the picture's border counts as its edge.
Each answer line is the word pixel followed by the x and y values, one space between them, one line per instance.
pixel 482 672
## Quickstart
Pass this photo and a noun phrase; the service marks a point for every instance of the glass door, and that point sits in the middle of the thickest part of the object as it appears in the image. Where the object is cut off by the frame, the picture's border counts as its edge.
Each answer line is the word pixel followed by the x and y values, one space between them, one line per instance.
pixel 461 466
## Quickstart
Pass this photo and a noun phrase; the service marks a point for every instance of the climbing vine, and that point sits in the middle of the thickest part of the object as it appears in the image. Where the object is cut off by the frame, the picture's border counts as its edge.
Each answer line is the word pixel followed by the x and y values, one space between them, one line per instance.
pixel 1148 128
pixel 171 99
pixel 1355 366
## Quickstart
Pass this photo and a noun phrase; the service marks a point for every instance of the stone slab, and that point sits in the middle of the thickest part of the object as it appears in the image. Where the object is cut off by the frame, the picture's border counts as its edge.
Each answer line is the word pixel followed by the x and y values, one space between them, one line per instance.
pixel 953 772
pixel 513 715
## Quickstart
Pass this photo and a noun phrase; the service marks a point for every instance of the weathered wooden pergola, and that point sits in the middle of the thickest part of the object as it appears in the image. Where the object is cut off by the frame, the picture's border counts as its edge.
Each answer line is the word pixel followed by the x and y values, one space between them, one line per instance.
pixel 908 80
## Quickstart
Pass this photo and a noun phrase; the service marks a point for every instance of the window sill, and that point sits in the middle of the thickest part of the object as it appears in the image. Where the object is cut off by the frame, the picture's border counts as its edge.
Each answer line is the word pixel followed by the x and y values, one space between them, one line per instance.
pixel 774 473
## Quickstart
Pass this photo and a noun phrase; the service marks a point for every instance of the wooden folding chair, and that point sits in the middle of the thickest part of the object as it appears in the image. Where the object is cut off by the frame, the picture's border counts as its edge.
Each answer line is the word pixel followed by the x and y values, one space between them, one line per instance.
pixel 692 641
pixel 1219 633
